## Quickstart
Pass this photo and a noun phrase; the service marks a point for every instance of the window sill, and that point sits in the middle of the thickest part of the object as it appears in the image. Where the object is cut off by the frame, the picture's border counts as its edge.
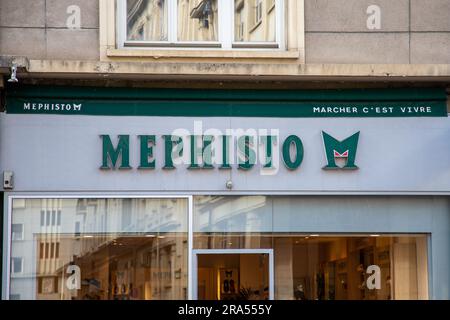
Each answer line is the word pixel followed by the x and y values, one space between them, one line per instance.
pixel 196 53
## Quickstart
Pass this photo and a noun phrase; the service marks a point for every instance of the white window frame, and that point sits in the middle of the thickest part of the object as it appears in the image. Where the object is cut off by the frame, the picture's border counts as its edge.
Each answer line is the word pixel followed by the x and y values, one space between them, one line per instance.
pixel 226 32
pixel 259 11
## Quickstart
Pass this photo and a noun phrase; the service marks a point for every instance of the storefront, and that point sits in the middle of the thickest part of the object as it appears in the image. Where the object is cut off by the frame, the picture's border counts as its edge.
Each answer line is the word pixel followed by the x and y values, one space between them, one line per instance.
pixel 190 194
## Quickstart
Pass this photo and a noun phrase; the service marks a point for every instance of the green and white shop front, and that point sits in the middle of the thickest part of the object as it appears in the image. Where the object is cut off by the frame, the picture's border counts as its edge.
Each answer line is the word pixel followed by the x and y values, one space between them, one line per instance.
pixel 233 195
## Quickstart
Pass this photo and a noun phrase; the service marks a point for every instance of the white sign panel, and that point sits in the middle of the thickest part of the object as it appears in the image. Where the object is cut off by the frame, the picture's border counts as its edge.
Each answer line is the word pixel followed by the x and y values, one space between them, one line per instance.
pixel 66 153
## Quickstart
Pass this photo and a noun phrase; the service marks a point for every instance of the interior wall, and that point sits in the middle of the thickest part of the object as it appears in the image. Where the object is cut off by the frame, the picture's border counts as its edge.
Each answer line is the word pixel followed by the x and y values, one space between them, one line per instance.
pixel 422 268
pixel 405 271
pixel 283 270
pixel 250 275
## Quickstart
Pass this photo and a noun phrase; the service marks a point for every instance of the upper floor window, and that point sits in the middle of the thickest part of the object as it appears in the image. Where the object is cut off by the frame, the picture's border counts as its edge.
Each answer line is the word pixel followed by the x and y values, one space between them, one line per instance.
pixel 17 231
pixel 225 24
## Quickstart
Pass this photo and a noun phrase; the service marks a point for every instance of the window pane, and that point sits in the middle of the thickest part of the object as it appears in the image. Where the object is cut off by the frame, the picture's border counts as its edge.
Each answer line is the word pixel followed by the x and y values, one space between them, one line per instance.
pixel 57 250
pixel 197 20
pixel 41 250
pixel 147 20
pixel 254 21
pixel 53 217
pixel 139 251
pixel 365 267
pixel 16 265
pixel 230 214
pixel 310 264
pixel 17 231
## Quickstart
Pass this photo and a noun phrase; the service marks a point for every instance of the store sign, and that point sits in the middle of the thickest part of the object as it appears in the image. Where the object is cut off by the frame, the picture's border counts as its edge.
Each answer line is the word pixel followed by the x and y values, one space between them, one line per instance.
pixel 299 110
pixel 200 151
pixel 426 102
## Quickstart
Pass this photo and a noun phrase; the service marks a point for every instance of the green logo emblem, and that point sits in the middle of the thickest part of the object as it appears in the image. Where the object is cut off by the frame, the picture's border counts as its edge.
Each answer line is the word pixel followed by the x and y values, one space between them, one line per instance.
pixel 335 149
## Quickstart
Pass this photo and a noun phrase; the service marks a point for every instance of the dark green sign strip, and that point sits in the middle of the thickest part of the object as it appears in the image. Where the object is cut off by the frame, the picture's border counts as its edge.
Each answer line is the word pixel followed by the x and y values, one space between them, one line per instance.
pixel 227 103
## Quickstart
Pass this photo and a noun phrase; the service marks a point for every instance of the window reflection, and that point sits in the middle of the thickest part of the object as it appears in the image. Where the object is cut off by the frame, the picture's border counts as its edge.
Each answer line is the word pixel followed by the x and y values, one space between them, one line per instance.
pixel 233 214
pixel 197 20
pixel 317 266
pixel 147 20
pixel 100 249
pixel 254 21
pixel 351 267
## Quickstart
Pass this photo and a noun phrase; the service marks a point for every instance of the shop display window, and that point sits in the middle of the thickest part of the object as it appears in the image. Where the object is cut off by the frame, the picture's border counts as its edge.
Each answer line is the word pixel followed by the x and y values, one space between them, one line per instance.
pixel 100 249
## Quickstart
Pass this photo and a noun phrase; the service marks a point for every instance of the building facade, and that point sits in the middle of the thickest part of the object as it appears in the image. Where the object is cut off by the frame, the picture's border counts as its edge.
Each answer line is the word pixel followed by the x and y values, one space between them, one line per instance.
pixel 225 150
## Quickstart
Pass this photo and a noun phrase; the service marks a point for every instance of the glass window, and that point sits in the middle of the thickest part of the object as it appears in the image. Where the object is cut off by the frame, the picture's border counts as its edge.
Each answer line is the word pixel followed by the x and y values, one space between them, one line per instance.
pixel 147 20
pixel 139 251
pixel 42 218
pixel 255 21
pixel 41 250
pixel 351 267
pixel 230 277
pixel 58 222
pixel 57 250
pixel 17 231
pixel 311 264
pixel 17 265
pixel 197 20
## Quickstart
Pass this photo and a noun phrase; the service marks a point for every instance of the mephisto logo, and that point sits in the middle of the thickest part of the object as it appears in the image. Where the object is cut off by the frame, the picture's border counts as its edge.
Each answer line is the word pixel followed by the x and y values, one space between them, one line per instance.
pixel 233 149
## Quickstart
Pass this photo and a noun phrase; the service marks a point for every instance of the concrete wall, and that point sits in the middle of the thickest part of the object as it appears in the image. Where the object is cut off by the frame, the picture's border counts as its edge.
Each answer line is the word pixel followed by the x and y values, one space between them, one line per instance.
pixel 37 29
pixel 412 31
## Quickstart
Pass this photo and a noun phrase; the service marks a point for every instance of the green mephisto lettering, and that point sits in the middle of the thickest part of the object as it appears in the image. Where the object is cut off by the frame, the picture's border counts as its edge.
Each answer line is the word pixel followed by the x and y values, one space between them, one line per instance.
pixel 202 152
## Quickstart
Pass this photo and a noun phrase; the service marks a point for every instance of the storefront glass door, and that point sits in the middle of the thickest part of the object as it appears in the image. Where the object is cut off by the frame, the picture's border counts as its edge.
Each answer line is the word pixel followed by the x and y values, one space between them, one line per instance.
pixel 229 275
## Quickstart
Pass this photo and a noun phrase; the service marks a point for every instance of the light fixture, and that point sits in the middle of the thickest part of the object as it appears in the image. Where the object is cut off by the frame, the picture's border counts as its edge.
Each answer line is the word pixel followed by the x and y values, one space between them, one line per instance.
pixel 314 235
pixel 13 74
pixel 374 235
